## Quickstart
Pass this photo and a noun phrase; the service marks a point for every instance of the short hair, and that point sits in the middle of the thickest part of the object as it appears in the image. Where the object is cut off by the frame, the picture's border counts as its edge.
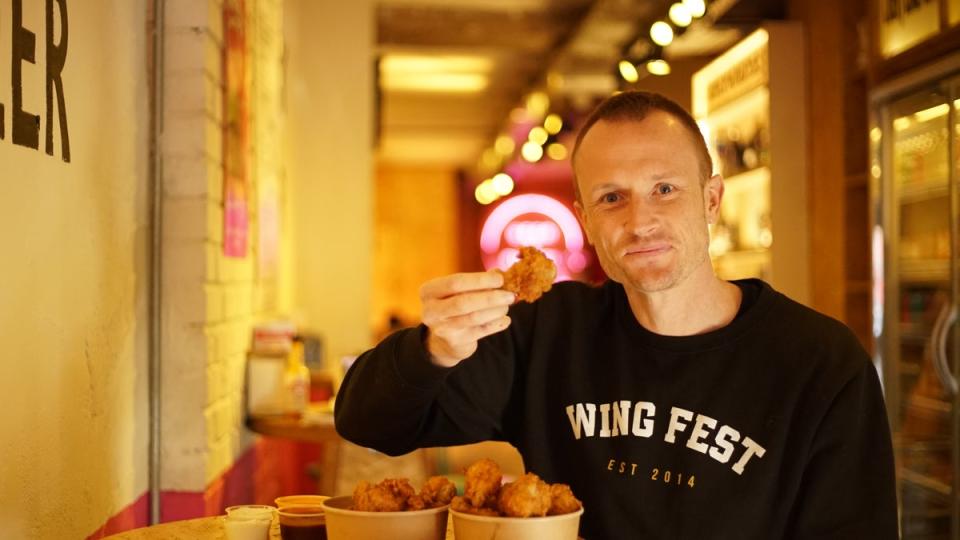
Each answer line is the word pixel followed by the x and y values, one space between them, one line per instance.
pixel 634 106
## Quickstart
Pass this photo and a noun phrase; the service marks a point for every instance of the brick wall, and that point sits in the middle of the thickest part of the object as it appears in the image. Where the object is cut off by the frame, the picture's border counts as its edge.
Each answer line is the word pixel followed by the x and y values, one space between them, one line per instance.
pixel 211 300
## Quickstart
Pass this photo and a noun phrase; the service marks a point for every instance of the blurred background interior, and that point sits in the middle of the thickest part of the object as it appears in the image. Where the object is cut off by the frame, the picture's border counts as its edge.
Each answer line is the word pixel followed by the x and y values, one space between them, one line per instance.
pixel 209 208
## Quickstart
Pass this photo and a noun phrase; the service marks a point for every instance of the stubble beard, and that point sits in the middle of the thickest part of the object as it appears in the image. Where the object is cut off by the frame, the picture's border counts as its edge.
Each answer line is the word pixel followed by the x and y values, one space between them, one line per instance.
pixel 654 279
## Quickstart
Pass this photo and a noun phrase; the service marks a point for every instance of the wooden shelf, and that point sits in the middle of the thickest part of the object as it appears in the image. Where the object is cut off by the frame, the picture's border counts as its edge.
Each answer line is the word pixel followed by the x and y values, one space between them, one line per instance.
pixel 924 270
pixel 921 192
pixel 926 482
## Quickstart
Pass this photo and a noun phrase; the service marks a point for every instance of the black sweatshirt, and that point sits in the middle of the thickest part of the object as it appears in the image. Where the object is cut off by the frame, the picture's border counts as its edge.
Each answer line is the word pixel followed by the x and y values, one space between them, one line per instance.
pixel 771 427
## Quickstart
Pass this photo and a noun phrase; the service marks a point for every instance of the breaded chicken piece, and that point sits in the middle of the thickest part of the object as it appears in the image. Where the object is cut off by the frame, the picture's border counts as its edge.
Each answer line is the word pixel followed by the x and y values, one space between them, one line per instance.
pixel 390 495
pixel 483 480
pixel 437 491
pixel 562 500
pixel 461 504
pixel 531 276
pixel 529 496
pixel 416 502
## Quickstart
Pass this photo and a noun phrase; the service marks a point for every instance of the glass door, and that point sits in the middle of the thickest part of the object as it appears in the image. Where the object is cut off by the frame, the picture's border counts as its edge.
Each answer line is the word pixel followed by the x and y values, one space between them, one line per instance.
pixel 915 141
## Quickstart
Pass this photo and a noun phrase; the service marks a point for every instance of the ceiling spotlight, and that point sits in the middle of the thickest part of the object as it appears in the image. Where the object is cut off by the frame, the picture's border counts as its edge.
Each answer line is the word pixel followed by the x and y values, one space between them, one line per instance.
pixel 556 151
pixel 628 71
pixel 661 33
pixel 531 151
pixel 485 192
pixel 658 66
pixel 680 15
pixel 502 184
pixel 698 8
pixel 538 135
pixel 504 145
pixel 553 123
pixel 537 104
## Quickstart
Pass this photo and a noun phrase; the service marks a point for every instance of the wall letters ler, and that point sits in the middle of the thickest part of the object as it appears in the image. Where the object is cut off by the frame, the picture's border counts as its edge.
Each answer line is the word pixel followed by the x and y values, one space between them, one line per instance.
pixel 25 126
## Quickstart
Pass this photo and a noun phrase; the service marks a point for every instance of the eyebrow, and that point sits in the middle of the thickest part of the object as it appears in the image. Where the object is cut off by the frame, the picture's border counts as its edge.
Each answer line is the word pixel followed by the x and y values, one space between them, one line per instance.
pixel 653 178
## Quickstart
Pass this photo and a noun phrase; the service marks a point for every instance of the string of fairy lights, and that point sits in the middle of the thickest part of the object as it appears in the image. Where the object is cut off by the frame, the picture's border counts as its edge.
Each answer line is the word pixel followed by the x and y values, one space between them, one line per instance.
pixel 643 51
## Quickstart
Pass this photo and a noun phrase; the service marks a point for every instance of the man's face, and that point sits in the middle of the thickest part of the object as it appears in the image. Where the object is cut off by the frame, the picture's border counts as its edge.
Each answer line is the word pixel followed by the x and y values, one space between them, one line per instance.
pixel 642 203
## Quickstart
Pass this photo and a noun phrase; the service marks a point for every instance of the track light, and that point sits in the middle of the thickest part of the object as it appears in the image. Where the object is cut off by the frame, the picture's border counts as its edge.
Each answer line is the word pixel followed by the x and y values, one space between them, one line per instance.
pixel 661 33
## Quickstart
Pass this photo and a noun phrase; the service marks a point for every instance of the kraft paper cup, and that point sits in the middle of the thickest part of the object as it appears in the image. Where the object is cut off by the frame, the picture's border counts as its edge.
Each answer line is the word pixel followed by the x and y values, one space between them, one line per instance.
pixel 300 500
pixel 474 527
pixel 346 524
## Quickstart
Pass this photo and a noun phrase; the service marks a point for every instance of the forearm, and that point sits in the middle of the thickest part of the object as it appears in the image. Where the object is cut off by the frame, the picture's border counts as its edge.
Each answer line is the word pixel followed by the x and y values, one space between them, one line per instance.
pixel 388 397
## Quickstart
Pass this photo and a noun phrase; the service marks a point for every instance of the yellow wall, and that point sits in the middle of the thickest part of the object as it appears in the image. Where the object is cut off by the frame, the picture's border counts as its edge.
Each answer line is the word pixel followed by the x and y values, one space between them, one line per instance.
pixel 329 139
pixel 73 433
pixel 415 237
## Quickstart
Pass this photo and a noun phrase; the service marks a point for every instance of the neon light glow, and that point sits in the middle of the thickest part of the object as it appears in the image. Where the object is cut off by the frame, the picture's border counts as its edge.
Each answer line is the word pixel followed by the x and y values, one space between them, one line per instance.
pixel 533 220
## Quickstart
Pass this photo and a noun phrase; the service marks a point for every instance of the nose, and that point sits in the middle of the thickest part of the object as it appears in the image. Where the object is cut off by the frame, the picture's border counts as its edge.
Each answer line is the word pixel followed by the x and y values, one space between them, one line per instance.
pixel 641 218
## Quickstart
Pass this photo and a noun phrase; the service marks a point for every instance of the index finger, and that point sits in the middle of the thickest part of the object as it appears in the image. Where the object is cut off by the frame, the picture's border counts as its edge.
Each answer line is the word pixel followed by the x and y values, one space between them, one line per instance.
pixel 445 286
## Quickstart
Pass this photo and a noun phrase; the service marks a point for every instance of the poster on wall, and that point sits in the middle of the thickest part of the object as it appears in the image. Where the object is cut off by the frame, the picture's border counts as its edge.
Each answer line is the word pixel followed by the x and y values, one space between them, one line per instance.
pixel 236 166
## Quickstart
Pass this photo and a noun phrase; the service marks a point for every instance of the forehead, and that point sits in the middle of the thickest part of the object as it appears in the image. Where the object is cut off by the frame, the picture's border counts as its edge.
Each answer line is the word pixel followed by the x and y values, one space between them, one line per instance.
pixel 657 141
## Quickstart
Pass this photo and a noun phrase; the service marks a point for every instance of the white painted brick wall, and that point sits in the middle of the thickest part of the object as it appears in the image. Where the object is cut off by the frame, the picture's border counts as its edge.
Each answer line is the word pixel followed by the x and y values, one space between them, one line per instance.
pixel 210 300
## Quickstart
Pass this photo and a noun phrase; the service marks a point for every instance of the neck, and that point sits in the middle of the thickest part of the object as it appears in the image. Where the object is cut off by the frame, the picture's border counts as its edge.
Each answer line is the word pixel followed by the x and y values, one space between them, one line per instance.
pixel 696 306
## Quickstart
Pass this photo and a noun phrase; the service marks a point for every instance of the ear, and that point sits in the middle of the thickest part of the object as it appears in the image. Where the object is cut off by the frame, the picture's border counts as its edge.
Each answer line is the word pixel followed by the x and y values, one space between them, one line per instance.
pixel 712 196
pixel 582 218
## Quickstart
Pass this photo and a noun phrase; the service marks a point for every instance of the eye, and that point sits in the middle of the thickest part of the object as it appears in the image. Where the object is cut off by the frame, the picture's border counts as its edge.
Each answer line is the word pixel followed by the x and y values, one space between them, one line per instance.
pixel 610 198
pixel 664 189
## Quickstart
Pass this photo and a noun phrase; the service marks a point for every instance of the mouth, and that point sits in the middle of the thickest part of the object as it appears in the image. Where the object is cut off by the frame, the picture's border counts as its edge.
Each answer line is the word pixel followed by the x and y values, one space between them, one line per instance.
pixel 648 250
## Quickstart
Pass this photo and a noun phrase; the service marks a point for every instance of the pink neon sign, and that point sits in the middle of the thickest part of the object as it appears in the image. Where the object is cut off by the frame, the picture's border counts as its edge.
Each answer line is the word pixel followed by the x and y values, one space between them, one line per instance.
pixel 533 220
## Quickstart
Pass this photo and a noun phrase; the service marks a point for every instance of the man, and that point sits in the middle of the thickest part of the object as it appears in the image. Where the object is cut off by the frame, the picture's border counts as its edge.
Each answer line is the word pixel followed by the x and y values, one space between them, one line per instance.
pixel 676 405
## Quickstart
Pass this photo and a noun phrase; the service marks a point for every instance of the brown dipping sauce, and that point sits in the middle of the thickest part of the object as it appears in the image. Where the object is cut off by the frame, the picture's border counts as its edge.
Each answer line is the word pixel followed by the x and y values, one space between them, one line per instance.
pixel 308 524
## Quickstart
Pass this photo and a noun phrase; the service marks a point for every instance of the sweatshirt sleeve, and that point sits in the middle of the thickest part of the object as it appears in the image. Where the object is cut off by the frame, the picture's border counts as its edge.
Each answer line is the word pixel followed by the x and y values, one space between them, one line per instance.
pixel 848 490
pixel 393 399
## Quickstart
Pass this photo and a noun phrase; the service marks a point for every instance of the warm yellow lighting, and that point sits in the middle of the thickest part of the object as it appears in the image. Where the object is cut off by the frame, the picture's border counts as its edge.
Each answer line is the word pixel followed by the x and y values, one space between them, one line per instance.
pixel 901 123
pixel 435 82
pixel 680 14
pixel 628 71
pixel 435 64
pixel 875 171
pixel 553 123
pixel 502 184
pixel 531 151
pixel 538 135
pixel 557 151
pixel 555 81
pixel 485 193
pixel 658 67
pixel 661 33
pixel 876 134
pixel 698 8
pixel 932 112
pixel 538 103
pixel 422 73
pixel 490 159
pixel 505 145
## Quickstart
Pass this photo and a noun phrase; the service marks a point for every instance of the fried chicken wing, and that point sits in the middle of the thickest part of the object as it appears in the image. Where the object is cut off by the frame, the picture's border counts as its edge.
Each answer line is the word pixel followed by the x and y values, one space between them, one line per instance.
pixel 437 491
pixel 483 480
pixel 529 496
pixel 390 495
pixel 562 500
pixel 531 276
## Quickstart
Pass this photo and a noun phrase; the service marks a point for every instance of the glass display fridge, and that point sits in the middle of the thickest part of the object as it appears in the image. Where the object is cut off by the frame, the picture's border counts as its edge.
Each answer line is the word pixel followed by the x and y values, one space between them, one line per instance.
pixel 915 197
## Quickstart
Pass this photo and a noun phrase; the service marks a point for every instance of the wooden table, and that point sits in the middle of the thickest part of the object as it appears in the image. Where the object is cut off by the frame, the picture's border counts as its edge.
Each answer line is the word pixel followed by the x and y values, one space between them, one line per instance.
pixel 209 528
pixel 319 429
